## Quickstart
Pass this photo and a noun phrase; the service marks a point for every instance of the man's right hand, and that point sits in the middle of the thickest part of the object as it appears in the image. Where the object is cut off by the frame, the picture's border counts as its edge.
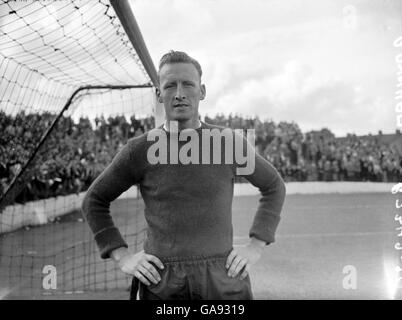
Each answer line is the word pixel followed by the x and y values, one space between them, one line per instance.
pixel 138 265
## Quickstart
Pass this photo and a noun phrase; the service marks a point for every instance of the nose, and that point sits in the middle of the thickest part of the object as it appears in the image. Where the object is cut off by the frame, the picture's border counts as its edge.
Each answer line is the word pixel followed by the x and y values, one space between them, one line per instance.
pixel 180 93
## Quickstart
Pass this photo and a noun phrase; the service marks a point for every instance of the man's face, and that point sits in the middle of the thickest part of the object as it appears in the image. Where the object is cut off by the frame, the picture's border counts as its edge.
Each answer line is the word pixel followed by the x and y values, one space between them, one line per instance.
pixel 180 91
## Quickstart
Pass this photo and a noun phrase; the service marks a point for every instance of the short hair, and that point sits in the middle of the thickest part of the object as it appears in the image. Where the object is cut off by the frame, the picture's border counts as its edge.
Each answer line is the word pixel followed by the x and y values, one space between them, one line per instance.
pixel 178 57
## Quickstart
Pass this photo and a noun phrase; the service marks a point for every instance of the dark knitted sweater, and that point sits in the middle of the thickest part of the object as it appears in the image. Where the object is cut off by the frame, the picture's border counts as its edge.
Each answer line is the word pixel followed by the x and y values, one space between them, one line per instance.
pixel 188 208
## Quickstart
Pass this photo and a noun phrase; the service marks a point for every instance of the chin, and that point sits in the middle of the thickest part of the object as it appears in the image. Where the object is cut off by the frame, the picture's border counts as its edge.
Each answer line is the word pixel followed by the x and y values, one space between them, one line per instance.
pixel 181 117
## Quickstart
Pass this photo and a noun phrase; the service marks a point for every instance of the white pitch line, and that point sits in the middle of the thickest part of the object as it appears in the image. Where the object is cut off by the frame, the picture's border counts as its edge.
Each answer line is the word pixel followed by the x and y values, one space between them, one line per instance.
pixel 365 206
pixel 326 235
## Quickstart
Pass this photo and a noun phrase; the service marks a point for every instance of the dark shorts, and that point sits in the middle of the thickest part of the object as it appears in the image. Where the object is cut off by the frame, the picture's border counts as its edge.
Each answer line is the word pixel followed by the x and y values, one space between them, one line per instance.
pixel 194 278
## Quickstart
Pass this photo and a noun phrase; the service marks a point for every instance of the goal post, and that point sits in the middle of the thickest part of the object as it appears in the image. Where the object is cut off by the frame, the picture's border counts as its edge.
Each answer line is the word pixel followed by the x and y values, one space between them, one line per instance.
pixel 76 82
pixel 127 19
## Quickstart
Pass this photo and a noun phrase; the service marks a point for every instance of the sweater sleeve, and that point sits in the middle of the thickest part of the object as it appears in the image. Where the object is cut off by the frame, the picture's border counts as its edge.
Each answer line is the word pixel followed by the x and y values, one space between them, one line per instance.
pixel 118 177
pixel 272 188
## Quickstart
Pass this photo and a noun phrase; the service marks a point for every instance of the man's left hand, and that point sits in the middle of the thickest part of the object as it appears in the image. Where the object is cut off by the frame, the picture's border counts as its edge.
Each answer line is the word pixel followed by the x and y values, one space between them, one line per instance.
pixel 242 258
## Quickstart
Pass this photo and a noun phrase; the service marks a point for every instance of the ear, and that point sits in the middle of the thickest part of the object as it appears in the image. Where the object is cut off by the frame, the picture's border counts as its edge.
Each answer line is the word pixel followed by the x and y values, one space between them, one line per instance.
pixel 158 95
pixel 203 92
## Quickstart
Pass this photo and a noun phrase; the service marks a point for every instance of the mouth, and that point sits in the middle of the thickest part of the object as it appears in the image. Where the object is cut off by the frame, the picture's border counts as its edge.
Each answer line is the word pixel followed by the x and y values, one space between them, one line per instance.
pixel 180 105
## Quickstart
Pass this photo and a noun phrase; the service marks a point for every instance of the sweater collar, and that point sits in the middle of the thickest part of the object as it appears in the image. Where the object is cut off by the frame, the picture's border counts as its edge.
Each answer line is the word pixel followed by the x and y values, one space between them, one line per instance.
pixel 199 125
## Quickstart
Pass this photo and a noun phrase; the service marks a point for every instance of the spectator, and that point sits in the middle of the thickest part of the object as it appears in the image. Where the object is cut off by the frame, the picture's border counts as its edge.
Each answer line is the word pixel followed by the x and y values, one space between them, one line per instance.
pixel 76 152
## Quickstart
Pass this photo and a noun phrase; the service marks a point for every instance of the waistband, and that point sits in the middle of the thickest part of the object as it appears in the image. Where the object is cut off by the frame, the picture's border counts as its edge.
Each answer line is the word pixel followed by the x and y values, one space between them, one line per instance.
pixel 182 259
pixel 196 258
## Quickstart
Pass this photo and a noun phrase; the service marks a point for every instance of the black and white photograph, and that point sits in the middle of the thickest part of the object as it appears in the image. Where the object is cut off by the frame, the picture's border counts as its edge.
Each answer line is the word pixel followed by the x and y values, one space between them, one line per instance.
pixel 201 150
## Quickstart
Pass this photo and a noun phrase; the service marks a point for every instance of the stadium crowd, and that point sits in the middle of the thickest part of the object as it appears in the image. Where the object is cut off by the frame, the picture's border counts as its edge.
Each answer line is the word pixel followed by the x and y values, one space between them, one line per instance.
pixel 77 151
pixel 319 155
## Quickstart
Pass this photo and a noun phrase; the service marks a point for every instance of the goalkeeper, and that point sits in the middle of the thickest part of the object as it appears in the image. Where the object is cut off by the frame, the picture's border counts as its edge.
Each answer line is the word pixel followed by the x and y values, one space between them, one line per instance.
pixel 188 252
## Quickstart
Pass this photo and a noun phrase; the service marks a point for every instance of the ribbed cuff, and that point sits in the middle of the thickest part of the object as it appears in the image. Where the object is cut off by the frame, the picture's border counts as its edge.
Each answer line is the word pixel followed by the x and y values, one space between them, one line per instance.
pixel 108 240
pixel 264 227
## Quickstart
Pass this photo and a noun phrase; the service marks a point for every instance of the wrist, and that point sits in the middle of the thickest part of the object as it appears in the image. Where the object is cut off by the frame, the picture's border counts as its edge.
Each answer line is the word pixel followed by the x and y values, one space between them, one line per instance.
pixel 118 254
pixel 260 244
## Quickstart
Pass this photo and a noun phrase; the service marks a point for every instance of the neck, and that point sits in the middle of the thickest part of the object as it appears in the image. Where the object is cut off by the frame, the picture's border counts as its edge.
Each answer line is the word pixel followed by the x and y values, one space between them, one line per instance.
pixel 174 125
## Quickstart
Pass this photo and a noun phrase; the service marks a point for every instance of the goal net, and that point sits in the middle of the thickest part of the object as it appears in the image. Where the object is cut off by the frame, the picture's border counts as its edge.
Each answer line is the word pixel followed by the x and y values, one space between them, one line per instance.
pixel 73 89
